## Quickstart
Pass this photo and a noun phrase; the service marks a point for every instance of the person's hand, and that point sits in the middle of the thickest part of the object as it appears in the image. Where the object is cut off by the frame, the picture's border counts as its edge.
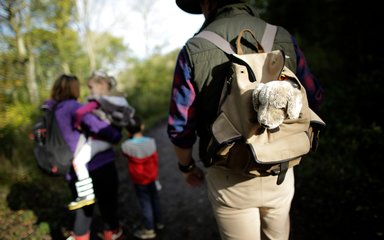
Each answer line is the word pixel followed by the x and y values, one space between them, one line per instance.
pixel 78 127
pixel 194 178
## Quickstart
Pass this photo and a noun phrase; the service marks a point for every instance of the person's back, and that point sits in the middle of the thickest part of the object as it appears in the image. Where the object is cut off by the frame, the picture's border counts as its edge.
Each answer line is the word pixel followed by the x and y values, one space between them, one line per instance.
pixel 113 109
pixel 142 159
pixel 228 22
pixel 245 207
pixel 65 92
pixel 141 153
pixel 100 85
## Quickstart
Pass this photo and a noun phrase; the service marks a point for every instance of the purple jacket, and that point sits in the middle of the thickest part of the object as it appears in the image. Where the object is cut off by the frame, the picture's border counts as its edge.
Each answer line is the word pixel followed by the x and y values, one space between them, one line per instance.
pixel 65 112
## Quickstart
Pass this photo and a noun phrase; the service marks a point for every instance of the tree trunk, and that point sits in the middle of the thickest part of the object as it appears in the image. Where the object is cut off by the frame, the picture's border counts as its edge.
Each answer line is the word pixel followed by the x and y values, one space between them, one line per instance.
pixel 29 65
pixel 31 79
pixel 90 49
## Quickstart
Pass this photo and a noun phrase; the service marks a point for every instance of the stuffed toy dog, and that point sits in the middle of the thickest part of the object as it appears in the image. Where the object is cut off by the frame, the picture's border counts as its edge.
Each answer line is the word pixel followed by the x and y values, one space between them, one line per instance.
pixel 275 101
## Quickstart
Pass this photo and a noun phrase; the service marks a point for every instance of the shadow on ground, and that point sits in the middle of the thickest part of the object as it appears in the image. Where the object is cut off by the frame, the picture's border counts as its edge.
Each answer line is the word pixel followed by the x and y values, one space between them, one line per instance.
pixel 38 202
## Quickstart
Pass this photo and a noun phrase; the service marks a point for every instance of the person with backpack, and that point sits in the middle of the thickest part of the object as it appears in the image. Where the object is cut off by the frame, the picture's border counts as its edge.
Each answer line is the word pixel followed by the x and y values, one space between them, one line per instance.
pixel 64 98
pixel 245 206
pixel 143 168
pixel 113 109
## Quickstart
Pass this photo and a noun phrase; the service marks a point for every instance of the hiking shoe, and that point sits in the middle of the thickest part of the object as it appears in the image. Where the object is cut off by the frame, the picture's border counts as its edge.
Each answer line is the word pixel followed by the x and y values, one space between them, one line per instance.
pixel 143 233
pixel 111 234
pixel 81 202
pixel 82 237
pixel 117 234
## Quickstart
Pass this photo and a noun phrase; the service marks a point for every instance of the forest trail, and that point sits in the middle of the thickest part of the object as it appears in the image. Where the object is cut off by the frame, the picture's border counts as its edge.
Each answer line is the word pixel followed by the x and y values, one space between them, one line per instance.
pixel 187 212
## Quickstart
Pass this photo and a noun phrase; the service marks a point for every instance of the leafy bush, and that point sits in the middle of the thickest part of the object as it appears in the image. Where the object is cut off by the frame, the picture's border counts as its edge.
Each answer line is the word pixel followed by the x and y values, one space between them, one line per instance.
pixel 32 205
pixel 34 210
pixel 150 86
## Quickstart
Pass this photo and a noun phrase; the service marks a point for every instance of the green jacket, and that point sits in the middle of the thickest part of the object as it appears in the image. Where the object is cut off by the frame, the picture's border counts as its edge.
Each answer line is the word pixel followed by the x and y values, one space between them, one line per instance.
pixel 210 65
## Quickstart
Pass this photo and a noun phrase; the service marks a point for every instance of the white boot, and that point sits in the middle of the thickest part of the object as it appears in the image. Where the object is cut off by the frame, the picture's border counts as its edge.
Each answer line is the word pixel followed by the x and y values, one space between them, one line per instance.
pixel 85 194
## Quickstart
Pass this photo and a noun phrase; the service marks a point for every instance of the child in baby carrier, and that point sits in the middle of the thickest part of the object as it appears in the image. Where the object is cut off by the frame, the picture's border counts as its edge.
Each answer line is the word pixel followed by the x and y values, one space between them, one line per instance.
pixel 114 110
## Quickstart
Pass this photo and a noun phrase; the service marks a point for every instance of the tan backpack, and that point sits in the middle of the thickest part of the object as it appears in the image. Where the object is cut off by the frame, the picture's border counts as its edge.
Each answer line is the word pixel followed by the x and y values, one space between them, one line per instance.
pixel 239 141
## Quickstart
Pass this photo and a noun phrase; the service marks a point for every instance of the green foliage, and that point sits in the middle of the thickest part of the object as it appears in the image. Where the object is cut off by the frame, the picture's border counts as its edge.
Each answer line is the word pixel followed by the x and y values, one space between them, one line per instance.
pixel 15 123
pixel 12 77
pixel 110 50
pixel 150 91
pixel 20 225
pixel 34 209
pixel 32 205
pixel 40 41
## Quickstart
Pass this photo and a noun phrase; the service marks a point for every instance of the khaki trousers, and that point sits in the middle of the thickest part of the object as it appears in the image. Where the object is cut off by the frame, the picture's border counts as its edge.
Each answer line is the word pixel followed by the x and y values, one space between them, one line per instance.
pixel 250 208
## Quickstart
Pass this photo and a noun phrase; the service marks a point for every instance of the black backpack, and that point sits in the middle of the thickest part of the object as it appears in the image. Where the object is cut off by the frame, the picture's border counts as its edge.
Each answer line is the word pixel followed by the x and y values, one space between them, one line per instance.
pixel 118 115
pixel 52 152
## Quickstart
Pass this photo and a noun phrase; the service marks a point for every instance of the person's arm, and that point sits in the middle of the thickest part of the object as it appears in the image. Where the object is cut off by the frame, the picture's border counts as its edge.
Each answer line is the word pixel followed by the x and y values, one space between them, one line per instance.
pixel 101 129
pixel 82 111
pixel 194 175
pixel 315 92
pixel 182 121
pixel 182 110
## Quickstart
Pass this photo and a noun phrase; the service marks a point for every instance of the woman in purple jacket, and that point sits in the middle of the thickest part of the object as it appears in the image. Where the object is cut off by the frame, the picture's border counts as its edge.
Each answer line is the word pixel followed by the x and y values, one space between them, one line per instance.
pixel 65 93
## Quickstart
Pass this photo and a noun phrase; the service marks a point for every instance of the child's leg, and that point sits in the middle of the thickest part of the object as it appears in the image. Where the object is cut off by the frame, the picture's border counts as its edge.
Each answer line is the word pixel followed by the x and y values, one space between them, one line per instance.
pixel 143 193
pixel 84 185
pixel 85 194
pixel 81 159
pixel 99 146
pixel 90 148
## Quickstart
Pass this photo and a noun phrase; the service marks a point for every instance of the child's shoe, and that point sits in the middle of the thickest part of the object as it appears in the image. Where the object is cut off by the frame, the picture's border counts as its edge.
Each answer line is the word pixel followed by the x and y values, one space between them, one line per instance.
pixel 86 236
pixel 85 194
pixel 113 234
pixel 81 202
pixel 144 233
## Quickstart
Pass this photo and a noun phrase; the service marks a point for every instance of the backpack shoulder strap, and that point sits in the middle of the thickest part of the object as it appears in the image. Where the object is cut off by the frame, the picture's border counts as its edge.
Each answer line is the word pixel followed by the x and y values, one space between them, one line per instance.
pixel 268 37
pixel 218 40
pixel 266 41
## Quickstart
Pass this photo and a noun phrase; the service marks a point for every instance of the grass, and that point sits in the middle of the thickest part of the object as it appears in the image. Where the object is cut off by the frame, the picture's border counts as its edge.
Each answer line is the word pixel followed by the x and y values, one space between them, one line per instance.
pixel 34 208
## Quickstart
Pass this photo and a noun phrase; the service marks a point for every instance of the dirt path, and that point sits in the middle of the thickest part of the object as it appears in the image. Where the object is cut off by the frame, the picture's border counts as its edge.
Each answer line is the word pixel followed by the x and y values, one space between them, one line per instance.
pixel 187 212
pixel 318 208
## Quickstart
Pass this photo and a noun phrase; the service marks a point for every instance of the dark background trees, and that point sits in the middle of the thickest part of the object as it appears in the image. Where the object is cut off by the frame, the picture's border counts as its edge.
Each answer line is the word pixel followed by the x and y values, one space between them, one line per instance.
pixel 340 188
